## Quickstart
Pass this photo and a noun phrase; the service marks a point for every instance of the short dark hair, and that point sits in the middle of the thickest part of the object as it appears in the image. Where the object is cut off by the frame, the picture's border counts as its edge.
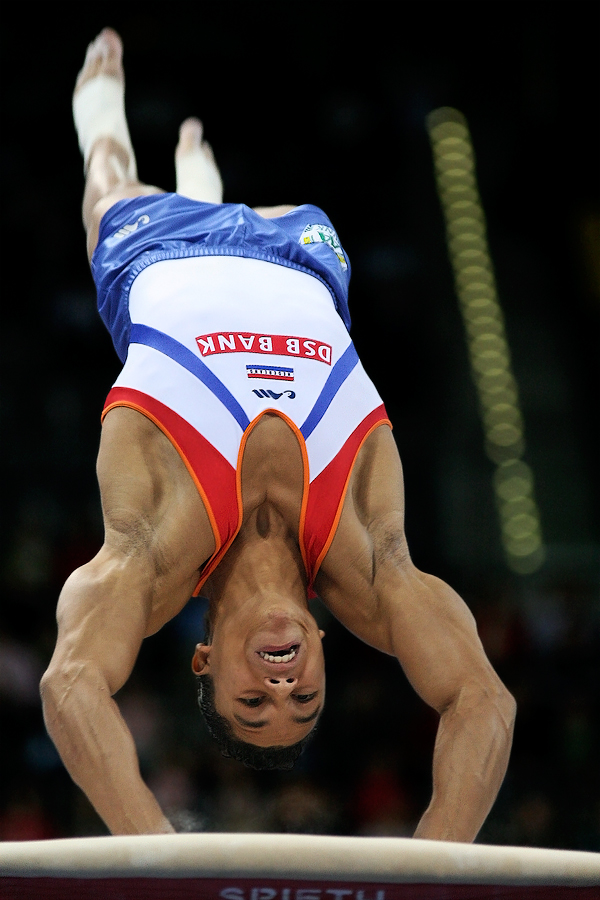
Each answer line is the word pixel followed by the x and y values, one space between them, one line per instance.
pixel 252 756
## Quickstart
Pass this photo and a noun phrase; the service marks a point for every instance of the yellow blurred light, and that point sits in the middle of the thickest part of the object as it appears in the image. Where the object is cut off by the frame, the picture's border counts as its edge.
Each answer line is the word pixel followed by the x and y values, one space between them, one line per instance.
pixel 488 348
pixel 477 329
pixel 490 341
pixel 492 380
pixel 461 239
pixel 465 225
pixel 469 255
pixel 456 154
pixel 520 527
pixel 516 467
pixel 517 506
pixel 469 217
pixel 523 553
pixel 499 454
pixel 476 286
pixel 467 235
pixel 501 413
pixel 469 274
pixel 523 546
pixel 528 564
pixel 475 292
pixel 458 207
pixel 462 208
pixel 475 303
pixel 490 361
pixel 502 395
pixel 477 316
pixel 504 434
pixel 522 542
pixel 490 368
pixel 460 156
pixel 466 241
pixel 451 141
pixel 459 187
pixel 449 176
pixel 464 171
pixel 477 307
pixel 446 130
pixel 489 322
pixel 509 476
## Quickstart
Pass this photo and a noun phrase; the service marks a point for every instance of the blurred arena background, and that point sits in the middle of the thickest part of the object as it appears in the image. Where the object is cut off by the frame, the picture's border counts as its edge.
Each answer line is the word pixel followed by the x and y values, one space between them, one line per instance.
pixel 326 104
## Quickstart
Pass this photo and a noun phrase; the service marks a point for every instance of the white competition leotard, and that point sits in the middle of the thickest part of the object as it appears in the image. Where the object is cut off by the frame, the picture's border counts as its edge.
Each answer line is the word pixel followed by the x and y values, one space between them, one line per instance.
pixel 215 340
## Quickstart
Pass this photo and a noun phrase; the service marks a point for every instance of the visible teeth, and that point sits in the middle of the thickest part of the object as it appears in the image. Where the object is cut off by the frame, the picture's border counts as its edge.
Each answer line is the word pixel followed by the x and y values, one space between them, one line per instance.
pixel 279 658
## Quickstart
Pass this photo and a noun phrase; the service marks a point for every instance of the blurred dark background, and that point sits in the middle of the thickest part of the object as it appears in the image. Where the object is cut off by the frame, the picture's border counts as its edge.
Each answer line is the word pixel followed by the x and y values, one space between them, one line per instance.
pixel 326 103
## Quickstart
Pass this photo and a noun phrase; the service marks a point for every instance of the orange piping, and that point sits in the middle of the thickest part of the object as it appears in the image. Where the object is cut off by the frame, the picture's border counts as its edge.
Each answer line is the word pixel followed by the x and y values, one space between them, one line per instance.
pixel 305 470
pixel 213 563
pixel 338 514
pixel 213 522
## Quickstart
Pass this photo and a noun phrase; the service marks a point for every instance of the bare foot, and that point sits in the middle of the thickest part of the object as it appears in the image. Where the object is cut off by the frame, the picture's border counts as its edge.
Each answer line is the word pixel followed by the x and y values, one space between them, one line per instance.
pixel 190 136
pixel 99 112
pixel 104 57
pixel 198 175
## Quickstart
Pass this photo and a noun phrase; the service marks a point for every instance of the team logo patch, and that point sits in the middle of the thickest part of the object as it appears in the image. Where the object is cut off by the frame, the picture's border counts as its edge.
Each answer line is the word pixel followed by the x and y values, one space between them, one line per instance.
pixel 129 229
pixel 275 344
pixel 273 395
pixel 278 372
pixel 324 234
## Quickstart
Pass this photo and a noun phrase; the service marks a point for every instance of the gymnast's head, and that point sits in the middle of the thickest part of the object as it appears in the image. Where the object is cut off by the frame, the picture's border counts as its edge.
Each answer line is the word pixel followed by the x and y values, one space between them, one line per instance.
pixel 261 682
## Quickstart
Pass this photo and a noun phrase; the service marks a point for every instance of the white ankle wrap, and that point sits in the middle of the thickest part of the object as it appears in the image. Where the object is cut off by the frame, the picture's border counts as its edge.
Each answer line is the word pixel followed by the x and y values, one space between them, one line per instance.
pixel 198 178
pixel 99 111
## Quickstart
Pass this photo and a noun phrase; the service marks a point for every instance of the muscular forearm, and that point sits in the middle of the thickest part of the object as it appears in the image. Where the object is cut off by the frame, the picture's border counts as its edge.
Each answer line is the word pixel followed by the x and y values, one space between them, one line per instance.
pixel 470 759
pixel 98 750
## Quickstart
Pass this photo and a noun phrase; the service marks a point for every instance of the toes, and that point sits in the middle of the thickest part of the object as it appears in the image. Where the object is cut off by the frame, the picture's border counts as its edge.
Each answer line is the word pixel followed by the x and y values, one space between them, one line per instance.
pixel 110 44
pixel 190 136
pixel 104 56
pixel 191 123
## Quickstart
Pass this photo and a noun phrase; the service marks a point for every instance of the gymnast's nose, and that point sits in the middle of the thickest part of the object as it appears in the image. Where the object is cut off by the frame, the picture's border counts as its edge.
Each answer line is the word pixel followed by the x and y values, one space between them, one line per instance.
pixel 283 685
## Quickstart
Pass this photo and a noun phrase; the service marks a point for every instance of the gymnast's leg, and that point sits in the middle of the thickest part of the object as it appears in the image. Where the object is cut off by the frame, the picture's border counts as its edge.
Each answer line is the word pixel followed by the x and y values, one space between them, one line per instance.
pixel 99 114
pixel 197 172
pixel 109 159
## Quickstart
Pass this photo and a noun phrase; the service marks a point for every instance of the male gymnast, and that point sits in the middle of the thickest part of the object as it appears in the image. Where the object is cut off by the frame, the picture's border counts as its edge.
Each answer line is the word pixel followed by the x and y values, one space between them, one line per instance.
pixel 244 453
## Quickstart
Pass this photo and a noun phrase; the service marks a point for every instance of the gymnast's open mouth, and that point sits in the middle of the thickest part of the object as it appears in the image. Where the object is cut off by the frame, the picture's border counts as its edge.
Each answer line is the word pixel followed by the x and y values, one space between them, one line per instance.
pixel 280 655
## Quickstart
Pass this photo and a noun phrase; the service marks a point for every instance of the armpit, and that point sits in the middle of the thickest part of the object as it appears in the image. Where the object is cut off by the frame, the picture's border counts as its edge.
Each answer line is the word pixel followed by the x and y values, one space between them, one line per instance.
pixel 135 538
pixel 389 542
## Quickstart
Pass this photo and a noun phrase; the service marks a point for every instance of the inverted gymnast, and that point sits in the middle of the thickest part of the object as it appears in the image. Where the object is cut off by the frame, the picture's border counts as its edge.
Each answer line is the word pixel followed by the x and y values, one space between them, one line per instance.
pixel 244 453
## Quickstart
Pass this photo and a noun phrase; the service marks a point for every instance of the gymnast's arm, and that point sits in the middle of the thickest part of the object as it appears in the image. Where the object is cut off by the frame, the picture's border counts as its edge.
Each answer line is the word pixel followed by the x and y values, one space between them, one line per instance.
pixel 371 585
pixel 99 636
pixel 433 635
pixel 157 533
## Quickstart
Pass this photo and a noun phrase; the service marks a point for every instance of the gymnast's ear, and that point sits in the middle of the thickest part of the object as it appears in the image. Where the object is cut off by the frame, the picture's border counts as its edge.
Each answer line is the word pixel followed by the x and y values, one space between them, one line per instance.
pixel 200 660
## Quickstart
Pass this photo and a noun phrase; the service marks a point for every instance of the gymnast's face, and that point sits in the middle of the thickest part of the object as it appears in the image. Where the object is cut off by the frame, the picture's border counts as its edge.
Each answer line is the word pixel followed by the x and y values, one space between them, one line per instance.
pixel 268 674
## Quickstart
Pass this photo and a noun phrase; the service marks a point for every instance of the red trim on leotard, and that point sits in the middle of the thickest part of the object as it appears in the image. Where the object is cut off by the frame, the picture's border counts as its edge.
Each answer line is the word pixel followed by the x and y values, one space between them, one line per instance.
pixel 214 477
pixel 328 491
pixel 219 484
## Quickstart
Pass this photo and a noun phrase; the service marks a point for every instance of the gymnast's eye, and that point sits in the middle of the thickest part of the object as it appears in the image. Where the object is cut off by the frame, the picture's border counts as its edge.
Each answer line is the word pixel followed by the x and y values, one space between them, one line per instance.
pixel 305 698
pixel 251 701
